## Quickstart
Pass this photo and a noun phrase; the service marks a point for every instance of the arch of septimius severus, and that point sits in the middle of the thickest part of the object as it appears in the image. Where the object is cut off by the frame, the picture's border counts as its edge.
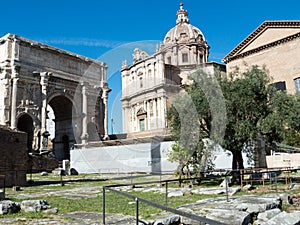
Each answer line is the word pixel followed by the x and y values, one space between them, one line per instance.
pixel 35 77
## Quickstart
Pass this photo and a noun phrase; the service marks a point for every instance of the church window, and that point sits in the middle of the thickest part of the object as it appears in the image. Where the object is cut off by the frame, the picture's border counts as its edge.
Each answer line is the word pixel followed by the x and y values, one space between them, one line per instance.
pixel 169 60
pixel 149 73
pixel 280 86
pixel 297 85
pixel 141 82
pixel 201 59
pixel 142 124
pixel 185 57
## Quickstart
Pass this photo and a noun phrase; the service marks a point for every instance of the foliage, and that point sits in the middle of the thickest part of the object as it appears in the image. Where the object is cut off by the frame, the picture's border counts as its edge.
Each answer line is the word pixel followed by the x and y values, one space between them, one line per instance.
pixel 247 96
pixel 283 122
pixel 193 121
pixel 253 109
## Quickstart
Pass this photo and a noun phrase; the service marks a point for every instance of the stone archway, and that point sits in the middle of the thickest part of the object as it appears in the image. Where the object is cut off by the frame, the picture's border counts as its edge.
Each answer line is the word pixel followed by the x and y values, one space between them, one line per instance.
pixel 64 137
pixel 25 124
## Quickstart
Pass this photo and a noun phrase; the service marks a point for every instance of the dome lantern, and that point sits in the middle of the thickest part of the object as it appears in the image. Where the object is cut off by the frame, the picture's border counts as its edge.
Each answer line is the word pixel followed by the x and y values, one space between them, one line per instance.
pixel 182 15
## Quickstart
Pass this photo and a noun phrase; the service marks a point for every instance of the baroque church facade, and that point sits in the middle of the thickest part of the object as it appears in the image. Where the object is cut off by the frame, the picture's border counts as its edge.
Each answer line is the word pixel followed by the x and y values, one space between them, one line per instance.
pixel 34 77
pixel 150 82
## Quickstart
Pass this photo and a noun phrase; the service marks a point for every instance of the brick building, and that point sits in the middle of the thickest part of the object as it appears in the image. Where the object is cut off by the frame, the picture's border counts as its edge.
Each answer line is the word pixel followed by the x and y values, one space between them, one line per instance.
pixel 275 44
pixel 14 157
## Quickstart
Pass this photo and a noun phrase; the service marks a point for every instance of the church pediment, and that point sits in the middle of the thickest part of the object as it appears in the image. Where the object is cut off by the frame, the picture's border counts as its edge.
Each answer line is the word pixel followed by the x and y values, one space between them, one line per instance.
pixel 141 112
pixel 270 33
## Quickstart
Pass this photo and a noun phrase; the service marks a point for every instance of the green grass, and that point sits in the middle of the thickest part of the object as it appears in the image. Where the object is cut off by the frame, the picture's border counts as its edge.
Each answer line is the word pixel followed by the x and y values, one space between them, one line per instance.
pixel 114 202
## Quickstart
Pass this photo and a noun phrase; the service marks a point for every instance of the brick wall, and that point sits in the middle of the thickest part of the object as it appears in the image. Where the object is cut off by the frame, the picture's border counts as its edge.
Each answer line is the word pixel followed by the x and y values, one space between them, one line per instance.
pixel 13 157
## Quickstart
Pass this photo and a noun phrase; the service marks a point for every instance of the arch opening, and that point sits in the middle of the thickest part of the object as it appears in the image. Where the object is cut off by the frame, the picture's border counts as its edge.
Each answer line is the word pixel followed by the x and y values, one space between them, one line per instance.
pixel 62 133
pixel 25 124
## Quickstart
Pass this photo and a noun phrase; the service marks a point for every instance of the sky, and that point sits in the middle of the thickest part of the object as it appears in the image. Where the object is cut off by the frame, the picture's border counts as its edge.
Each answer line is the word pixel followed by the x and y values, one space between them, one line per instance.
pixel 109 30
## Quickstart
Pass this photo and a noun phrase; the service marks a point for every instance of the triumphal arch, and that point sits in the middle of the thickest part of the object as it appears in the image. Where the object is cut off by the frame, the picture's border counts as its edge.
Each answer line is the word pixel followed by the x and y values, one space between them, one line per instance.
pixel 35 77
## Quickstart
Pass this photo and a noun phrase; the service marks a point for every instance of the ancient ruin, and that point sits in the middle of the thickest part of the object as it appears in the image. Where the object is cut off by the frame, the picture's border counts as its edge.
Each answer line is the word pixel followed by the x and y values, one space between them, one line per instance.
pixel 35 77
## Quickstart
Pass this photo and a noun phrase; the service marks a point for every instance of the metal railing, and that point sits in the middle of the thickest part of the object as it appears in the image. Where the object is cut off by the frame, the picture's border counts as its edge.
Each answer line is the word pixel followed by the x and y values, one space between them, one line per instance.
pixel 264 175
pixel 222 173
pixel 154 204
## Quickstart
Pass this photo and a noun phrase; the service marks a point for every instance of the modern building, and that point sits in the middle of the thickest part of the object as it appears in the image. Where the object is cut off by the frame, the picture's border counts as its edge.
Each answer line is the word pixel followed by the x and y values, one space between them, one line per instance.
pixel 275 44
pixel 35 77
pixel 150 82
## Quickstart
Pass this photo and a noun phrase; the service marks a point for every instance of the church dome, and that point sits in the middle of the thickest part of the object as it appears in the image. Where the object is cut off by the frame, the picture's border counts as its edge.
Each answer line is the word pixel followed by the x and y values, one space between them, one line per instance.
pixel 184 32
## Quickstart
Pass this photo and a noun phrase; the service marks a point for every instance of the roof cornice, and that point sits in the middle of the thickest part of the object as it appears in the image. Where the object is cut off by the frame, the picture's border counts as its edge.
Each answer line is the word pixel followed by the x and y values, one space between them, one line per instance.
pixel 40 45
pixel 265 25
pixel 261 48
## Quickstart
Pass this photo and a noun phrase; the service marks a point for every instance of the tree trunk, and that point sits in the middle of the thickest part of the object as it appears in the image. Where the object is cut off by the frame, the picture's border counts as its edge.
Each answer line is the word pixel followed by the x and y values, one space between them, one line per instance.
pixel 181 166
pixel 237 165
pixel 240 160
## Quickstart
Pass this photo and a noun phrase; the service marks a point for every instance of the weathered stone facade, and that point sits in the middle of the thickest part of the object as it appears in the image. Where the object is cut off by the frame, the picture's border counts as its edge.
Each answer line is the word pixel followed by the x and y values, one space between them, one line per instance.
pixel 34 77
pixel 275 44
pixel 150 83
pixel 14 159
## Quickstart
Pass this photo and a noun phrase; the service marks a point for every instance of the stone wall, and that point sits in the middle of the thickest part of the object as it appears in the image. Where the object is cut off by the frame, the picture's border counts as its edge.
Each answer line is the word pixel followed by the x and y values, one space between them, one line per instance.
pixel 282 62
pixel 40 163
pixel 275 45
pixel 14 157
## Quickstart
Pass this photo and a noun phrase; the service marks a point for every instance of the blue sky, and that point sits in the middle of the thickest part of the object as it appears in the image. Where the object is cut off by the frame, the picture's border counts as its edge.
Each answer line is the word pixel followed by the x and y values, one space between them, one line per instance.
pixel 95 28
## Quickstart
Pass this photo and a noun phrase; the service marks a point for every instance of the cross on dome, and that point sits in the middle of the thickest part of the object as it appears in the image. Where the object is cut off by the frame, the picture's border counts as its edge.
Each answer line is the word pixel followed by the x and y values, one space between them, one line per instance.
pixel 182 15
pixel 181 4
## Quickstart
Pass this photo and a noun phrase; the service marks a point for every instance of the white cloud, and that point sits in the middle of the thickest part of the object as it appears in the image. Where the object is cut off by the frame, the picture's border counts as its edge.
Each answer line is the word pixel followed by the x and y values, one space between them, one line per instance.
pixel 83 42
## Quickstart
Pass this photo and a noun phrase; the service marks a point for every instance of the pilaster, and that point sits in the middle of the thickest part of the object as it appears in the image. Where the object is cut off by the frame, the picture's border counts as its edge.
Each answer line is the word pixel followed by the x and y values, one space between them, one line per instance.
pixel 45 134
pixel 84 134
pixel 105 103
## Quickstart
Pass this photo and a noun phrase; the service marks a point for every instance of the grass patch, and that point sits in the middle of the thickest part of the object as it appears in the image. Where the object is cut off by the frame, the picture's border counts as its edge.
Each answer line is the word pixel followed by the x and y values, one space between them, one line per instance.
pixel 54 194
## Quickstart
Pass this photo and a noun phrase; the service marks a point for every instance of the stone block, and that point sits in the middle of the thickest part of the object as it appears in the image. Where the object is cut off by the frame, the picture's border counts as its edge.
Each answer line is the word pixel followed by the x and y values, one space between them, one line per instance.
pixel 169 220
pixel 51 211
pixel 14 157
pixel 8 207
pixel 284 218
pixel 34 205
pixel 267 215
pixel 44 173
pixel 232 217
pixel 2 195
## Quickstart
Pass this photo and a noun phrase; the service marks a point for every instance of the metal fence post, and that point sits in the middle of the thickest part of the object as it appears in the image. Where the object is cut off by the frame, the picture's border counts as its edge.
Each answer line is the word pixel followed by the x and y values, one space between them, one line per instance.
pixel 137 210
pixel 103 205
pixel 226 184
pixel 166 194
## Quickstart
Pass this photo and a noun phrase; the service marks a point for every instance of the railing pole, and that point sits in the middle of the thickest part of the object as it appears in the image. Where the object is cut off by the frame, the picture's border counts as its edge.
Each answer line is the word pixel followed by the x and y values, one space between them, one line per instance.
pixel 4 185
pixel 226 184
pixel 137 210
pixel 166 194
pixel 103 205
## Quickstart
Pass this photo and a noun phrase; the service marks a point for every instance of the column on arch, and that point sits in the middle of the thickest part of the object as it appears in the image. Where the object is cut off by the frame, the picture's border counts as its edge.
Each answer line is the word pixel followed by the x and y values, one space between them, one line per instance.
pixel 105 103
pixel 84 134
pixel 13 119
